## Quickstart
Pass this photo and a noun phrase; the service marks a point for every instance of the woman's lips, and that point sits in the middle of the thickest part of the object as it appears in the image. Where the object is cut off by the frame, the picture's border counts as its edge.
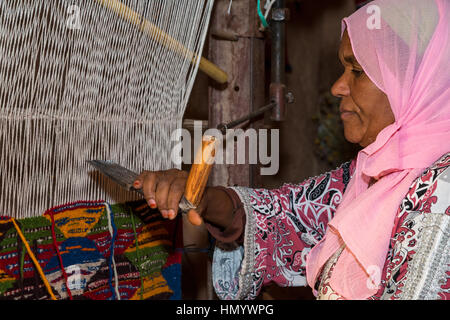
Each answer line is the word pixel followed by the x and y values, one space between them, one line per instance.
pixel 347 114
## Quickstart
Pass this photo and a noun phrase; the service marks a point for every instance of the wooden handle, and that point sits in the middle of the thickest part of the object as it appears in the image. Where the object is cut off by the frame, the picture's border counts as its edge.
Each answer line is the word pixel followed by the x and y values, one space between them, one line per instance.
pixel 200 170
pixel 163 38
pixel 213 71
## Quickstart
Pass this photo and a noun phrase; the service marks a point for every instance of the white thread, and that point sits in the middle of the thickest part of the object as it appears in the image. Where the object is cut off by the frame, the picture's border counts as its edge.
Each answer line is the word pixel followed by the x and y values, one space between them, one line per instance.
pixel 103 90
pixel 268 7
pixel 111 231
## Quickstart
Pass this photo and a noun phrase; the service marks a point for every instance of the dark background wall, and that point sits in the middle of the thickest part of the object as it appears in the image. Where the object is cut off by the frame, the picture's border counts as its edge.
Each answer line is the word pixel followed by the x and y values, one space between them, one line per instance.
pixel 313 36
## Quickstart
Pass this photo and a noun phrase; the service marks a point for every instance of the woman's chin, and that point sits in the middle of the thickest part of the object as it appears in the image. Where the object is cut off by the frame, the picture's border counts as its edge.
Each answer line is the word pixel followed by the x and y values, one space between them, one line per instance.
pixel 353 137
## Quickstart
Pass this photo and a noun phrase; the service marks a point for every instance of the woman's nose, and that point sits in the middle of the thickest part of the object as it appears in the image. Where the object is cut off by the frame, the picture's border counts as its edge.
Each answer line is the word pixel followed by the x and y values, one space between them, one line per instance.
pixel 341 88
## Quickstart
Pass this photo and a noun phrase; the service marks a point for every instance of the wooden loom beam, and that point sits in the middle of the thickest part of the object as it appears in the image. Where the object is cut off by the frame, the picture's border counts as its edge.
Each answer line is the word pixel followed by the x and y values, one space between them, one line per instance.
pixel 242 55
pixel 245 93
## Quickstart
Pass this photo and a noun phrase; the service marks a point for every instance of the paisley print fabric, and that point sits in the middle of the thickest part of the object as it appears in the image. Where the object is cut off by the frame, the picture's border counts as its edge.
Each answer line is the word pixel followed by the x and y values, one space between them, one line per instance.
pixel 284 224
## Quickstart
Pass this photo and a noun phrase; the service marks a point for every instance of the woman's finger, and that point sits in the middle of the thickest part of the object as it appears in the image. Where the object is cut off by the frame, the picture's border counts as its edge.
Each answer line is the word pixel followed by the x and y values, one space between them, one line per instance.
pixel 139 180
pixel 175 193
pixel 161 195
pixel 148 186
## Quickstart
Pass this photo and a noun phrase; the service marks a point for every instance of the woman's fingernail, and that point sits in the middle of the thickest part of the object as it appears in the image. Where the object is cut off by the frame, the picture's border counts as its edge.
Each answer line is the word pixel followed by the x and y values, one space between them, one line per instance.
pixel 171 214
pixel 152 203
pixel 164 213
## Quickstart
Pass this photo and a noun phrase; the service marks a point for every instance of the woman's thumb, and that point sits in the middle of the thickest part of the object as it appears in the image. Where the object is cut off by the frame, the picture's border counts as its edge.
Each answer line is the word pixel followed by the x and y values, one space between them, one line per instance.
pixel 194 218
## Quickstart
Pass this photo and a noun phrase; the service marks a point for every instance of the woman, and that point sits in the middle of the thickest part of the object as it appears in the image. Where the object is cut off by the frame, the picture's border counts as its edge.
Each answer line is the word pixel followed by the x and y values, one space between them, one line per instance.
pixel 377 227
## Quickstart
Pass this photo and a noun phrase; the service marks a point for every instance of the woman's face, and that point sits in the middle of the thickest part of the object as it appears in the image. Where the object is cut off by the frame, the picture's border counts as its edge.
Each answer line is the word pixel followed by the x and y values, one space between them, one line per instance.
pixel 364 108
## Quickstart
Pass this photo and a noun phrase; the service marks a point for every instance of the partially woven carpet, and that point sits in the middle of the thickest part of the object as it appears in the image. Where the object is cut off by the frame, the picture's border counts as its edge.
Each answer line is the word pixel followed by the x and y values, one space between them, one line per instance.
pixel 92 250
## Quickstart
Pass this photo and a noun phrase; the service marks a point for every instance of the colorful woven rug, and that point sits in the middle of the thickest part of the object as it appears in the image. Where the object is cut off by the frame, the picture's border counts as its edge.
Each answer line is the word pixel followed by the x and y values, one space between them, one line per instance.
pixel 92 250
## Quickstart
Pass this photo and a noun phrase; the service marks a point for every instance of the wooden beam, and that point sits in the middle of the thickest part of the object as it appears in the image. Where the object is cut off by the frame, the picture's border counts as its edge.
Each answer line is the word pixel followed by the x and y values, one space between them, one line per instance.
pixel 244 61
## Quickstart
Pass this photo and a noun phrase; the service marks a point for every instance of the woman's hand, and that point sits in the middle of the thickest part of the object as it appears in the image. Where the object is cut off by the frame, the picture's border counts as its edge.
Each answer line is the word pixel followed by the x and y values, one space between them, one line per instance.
pixel 164 190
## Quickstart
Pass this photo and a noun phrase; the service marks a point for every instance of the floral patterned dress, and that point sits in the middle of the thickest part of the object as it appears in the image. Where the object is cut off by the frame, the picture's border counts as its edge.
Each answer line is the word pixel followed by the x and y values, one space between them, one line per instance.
pixel 282 226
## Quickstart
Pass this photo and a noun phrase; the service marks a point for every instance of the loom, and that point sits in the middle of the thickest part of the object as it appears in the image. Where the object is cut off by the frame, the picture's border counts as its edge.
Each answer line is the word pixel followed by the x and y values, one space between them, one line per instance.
pixel 104 79
pixel 92 79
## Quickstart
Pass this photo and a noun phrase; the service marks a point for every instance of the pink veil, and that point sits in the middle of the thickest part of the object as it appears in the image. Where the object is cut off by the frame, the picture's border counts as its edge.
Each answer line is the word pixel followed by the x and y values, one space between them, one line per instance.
pixel 406 53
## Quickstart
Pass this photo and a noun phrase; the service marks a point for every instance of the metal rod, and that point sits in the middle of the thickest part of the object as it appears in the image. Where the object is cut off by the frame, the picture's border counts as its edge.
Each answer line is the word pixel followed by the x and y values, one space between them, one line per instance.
pixel 224 126
pixel 278 60
pixel 278 28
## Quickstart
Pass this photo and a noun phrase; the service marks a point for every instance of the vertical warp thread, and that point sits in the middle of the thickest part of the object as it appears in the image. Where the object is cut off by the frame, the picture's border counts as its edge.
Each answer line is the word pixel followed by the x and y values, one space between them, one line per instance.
pixel 22 261
pixel 61 83
pixel 111 262
pixel 21 251
pixel 141 292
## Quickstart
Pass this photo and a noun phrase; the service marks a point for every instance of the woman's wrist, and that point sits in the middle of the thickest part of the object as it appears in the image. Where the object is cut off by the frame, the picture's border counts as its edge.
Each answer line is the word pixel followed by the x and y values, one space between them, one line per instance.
pixel 225 216
pixel 219 208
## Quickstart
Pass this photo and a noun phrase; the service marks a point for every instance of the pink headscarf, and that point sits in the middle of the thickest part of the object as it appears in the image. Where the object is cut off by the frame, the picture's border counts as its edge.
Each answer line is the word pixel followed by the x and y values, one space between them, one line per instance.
pixel 407 55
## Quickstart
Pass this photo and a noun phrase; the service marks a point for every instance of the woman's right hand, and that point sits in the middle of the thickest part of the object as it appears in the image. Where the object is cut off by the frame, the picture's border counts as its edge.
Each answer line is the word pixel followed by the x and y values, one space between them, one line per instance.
pixel 164 190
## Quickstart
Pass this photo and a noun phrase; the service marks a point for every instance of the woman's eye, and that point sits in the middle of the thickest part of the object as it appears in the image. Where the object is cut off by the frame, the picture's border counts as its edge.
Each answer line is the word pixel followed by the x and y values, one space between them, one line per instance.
pixel 357 72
